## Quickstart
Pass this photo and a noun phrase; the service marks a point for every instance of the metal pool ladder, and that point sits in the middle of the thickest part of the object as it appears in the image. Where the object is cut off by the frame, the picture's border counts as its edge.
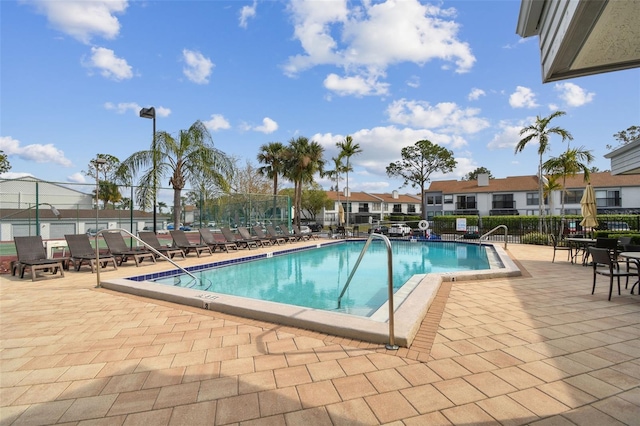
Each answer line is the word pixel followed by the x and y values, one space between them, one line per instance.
pixel 391 345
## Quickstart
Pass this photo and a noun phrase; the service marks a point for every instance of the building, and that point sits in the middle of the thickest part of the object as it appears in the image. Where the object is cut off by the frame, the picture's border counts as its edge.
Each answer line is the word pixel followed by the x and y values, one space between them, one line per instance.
pixel 586 37
pixel 361 206
pixel 518 195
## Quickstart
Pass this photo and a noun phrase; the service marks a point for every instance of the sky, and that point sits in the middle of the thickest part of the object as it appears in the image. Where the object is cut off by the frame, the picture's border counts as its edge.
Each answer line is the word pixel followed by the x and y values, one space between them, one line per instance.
pixel 75 74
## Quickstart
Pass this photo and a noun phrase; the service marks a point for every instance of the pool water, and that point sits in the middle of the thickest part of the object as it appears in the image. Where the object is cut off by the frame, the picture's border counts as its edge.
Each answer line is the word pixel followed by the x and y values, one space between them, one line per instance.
pixel 314 278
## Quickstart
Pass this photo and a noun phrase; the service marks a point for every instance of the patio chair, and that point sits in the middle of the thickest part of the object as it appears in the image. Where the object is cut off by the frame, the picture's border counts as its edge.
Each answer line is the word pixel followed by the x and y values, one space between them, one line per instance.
pixel 241 242
pixel 302 235
pixel 246 234
pixel 82 251
pixel 560 246
pixel 275 239
pixel 209 238
pixel 292 237
pixel 32 256
pixel 151 239
pixel 122 252
pixel 181 241
pixel 272 231
pixel 604 264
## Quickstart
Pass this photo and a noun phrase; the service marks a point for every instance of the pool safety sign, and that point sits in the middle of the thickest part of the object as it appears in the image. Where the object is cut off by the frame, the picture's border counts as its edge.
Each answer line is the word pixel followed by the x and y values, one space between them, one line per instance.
pixel 461 224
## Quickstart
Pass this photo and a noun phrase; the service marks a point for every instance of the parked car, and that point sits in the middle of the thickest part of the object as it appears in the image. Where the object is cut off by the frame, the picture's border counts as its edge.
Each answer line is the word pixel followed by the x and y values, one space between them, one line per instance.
pixel 182 227
pixel 92 231
pixel 304 229
pixel 616 226
pixel 399 230
pixel 380 230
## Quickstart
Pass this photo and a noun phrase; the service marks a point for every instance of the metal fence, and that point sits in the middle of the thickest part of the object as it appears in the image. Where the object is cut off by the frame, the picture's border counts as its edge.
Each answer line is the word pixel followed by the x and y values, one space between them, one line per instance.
pixel 54 209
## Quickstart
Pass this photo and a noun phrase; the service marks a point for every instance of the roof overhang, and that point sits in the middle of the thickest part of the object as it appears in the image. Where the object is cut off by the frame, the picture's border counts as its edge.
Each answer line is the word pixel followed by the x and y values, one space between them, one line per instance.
pixel 582 37
pixel 626 159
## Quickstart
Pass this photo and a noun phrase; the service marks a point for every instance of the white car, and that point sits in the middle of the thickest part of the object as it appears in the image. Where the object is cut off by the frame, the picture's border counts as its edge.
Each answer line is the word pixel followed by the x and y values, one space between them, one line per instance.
pixel 399 230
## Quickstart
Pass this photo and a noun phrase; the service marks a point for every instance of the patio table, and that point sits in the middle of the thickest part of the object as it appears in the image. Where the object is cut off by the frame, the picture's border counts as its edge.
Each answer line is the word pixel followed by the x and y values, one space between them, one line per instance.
pixel 633 256
pixel 581 247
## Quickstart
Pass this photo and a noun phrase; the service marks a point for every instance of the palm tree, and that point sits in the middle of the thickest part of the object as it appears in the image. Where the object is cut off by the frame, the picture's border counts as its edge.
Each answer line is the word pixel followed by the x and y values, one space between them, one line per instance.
pixel 541 131
pixel 348 149
pixel 303 161
pixel 190 156
pixel 569 163
pixel 339 168
pixel 161 205
pixel 272 156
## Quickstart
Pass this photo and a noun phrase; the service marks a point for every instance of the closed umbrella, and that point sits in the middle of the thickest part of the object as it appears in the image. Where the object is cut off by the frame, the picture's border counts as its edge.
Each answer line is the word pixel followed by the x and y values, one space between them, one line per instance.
pixel 588 207
pixel 341 214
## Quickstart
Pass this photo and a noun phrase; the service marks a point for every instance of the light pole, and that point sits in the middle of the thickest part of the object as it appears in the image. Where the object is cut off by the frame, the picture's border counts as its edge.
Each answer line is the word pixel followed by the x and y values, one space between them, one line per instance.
pixel 97 162
pixel 151 113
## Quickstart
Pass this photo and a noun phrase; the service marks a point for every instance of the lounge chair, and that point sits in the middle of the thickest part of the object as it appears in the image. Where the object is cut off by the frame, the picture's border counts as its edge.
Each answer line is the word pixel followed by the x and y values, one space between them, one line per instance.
pixel 181 241
pixel 246 234
pixel 241 242
pixel 272 231
pixel 209 238
pixel 285 231
pixel 82 251
pixel 151 239
pixel 122 252
pixel 301 236
pixel 273 239
pixel 32 256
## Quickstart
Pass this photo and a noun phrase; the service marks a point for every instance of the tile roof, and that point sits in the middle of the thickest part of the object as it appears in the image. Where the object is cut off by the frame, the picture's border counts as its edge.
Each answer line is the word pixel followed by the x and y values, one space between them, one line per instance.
pixel 374 198
pixel 530 183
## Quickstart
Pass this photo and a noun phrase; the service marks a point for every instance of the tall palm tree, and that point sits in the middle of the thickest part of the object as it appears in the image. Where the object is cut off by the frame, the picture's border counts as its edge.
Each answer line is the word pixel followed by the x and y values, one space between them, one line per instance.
pixel 338 169
pixel 272 155
pixel 190 156
pixel 348 149
pixel 540 131
pixel 303 161
pixel 569 163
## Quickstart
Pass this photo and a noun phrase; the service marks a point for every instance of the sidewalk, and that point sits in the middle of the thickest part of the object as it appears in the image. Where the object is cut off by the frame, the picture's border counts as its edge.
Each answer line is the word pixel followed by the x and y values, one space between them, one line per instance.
pixel 537 349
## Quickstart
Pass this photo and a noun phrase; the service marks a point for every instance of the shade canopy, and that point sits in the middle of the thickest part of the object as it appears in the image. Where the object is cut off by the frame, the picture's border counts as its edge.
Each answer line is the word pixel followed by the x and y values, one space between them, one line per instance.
pixel 589 209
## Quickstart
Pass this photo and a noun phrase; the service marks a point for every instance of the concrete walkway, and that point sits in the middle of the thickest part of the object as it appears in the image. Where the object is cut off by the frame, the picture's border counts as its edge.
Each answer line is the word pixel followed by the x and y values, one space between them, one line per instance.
pixel 538 349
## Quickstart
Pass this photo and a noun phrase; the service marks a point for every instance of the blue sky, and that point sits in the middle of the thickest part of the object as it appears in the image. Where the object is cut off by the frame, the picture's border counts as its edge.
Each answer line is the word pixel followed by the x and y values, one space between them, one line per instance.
pixel 74 75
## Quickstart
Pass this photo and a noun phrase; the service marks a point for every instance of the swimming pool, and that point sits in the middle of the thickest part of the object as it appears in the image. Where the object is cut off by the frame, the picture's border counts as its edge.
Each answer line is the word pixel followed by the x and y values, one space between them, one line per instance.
pixel 411 301
pixel 315 278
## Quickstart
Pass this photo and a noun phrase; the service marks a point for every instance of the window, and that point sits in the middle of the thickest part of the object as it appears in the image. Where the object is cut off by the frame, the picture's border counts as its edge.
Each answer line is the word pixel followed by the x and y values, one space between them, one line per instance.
pixel 466 202
pixel 606 198
pixel 376 207
pixel 434 200
pixel 411 208
pixel 448 199
pixel 503 201
pixel 397 208
pixel 363 208
pixel 532 198
pixel 573 196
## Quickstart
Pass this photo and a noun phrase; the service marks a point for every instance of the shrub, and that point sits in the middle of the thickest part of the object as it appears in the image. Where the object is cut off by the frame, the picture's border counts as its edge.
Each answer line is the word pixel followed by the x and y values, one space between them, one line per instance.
pixel 535 238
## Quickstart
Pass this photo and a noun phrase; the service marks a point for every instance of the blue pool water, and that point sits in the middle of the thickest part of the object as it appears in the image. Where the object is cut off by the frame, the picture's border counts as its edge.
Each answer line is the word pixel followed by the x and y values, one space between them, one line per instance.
pixel 314 278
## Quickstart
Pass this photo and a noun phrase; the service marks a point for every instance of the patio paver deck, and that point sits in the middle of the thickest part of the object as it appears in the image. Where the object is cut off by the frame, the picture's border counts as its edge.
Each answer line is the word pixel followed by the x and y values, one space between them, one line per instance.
pixel 536 349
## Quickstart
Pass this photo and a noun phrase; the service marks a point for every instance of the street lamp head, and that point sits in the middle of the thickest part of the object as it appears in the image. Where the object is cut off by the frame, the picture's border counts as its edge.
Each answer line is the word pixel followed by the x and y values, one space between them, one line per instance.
pixel 148 112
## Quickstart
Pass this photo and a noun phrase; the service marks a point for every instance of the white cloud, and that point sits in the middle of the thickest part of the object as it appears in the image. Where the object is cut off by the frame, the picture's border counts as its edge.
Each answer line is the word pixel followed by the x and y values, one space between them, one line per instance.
pixel 77 178
pixel 109 64
pixel 508 136
pixel 445 116
pixel 573 95
pixel 247 12
pixel 268 126
pixel 414 81
pixel 198 68
pixel 357 85
pixel 124 107
pixel 523 97
pixel 368 38
pixel 475 94
pixel 14 175
pixel 35 152
pixel 83 20
pixel 553 107
pixel 217 122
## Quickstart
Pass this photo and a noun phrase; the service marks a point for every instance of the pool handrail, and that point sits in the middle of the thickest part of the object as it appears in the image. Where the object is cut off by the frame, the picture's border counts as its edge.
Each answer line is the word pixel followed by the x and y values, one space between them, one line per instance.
pixel 391 345
pixel 506 233
pixel 140 241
